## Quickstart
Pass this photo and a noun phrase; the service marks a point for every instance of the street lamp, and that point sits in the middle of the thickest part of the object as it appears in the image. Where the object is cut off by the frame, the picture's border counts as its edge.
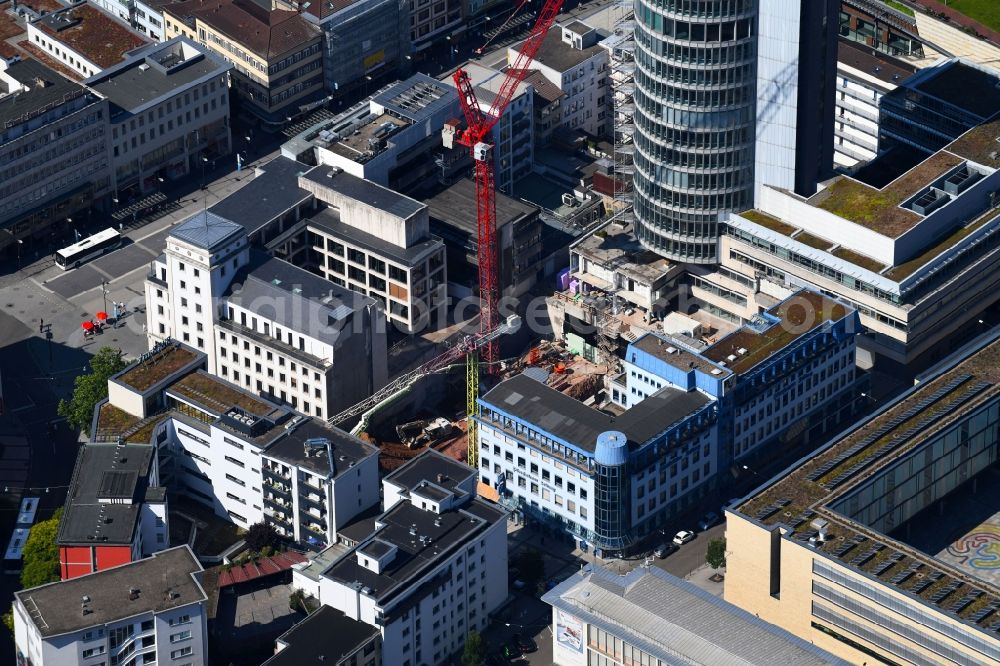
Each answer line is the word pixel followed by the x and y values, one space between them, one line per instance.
pixel 204 161
pixel 747 469
pixel 19 244
pixel 104 292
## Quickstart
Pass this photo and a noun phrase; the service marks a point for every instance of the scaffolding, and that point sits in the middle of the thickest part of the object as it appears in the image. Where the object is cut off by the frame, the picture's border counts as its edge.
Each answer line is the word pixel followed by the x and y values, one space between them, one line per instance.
pixel 622 62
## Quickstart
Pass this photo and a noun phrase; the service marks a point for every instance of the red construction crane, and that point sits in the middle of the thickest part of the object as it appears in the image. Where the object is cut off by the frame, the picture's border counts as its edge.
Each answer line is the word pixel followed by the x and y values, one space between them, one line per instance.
pixel 477 137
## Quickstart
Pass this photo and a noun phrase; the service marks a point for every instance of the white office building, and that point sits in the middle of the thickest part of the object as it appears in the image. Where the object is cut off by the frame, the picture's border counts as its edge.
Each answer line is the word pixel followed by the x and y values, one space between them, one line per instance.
pixel 169 107
pixel 434 568
pixel 153 611
pixel 571 59
pixel 248 459
pixel 264 324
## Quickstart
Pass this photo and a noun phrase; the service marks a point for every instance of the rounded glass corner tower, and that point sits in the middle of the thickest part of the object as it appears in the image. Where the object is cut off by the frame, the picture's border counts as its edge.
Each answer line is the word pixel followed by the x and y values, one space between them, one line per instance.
pixel 611 492
pixel 695 97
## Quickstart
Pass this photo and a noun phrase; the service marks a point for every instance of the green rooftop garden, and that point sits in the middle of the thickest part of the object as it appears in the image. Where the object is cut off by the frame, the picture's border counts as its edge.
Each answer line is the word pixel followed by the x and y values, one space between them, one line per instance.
pixel 146 374
pixel 765 220
pixel 858 259
pixel 904 270
pixel 217 395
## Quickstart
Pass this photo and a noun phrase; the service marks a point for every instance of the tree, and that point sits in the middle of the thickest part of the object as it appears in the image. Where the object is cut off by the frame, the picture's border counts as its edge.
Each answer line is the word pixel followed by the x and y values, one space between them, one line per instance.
pixel 716 553
pixel 474 653
pixel 260 536
pixel 8 620
pixel 41 554
pixel 92 387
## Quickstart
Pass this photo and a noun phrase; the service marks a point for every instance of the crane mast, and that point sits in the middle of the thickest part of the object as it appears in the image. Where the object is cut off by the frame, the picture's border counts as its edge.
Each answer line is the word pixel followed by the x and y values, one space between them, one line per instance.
pixel 476 137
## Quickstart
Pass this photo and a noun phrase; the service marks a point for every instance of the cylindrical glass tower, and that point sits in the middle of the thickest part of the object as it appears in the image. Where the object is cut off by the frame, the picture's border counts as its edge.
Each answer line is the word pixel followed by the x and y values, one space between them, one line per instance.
pixel 611 491
pixel 695 90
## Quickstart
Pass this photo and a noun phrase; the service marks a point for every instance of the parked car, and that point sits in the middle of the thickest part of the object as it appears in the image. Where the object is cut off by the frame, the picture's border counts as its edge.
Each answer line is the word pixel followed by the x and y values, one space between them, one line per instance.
pixel 683 537
pixel 664 549
pixel 511 650
pixel 710 519
pixel 525 643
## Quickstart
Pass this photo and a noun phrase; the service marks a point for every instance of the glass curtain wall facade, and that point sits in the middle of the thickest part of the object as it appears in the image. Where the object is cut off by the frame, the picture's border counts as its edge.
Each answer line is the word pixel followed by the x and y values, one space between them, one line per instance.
pixel 695 116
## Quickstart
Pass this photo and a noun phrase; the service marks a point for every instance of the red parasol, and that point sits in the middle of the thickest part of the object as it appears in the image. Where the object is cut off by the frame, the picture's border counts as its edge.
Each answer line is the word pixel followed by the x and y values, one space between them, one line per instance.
pixel 102 315
pixel 87 325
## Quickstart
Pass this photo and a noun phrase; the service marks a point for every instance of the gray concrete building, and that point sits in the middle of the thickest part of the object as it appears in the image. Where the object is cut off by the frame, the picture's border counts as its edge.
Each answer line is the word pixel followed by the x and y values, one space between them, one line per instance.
pixel 54 158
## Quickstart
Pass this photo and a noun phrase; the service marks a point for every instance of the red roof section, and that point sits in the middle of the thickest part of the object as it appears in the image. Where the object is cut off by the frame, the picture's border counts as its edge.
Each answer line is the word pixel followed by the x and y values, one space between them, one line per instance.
pixel 265 566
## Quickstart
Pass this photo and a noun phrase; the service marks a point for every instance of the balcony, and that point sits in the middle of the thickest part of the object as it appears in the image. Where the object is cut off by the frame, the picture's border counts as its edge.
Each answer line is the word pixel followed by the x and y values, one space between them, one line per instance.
pixel 313 500
pixel 276 473
pixel 314 529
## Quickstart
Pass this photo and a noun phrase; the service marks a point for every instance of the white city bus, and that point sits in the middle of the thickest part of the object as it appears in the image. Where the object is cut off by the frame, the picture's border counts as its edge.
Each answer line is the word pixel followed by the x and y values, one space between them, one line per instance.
pixel 88 248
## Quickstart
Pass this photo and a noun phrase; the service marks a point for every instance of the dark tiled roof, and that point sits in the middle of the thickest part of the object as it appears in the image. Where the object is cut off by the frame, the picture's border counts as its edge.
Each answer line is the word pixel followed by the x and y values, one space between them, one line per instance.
pixel 347 449
pixel 326 636
pixel 545 90
pixel 268 195
pixel 267 33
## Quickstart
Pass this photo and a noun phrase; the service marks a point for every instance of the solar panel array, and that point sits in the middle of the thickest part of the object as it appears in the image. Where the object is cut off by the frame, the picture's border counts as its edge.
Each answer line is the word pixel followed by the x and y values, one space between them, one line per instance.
pixel 964 602
pixel 887 564
pixel 941 594
pixel 803 517
pixel 772 509
pixel 856 540
pixel 908 434
pixel 926 582
pixel 995 626
pixel 984 612
pixel 860 559
pixel 886 428
pixel 905 574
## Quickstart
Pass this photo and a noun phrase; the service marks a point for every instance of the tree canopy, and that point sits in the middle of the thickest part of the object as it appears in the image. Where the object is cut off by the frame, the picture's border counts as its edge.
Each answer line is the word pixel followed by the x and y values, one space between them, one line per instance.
pixel 260 536
pixel 91 387
pixel 716 553
pixel 474 652
pixel 41 554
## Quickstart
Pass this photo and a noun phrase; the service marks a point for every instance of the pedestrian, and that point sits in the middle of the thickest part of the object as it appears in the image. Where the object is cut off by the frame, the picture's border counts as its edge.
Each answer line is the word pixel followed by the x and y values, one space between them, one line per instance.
pixel 41 324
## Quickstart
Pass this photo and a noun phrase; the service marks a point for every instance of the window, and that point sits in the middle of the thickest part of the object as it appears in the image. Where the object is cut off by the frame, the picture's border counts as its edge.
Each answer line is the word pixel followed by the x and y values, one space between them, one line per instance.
pixel 180 636
pixel 186 650
pixel 93 652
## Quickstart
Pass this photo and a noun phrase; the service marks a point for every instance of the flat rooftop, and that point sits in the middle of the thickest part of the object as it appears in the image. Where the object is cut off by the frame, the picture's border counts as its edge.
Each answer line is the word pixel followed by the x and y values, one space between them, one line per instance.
pixel 671 618
pixel 217 396
pixel 618 247
pixel 444 532
pixel 878 209
pixel 91 33
pixel 570 420
pixel 559 55
pixel 864 58
pixel 979 144
pixel 105 494
pixel 325 636
pixel 273 190
pixel 455 207
pixel 822 480
pixel 663 348
pixel 431 466
pixel 347 449
pixel 159 72
pixel 42 88
pixel 165 581
pixel 147 372
pixel 954 84
pixel 364 191
pixel 800 313
pixel 367 140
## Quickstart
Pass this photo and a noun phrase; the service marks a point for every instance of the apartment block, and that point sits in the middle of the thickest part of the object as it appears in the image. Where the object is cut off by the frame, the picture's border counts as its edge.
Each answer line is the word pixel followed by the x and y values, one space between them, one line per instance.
pixel 169 111
pixel 918 259
pixel 683 418
pixel 53 151
pixel 264 324
pixel 328 636
pixel 276 54
pixel 871 548
pixel 248 459
pixel 115 511
pixel 572 60
pixel 151 611
pixel 376 242
pixel 652 618
pixel 434 569
pixel 83 38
